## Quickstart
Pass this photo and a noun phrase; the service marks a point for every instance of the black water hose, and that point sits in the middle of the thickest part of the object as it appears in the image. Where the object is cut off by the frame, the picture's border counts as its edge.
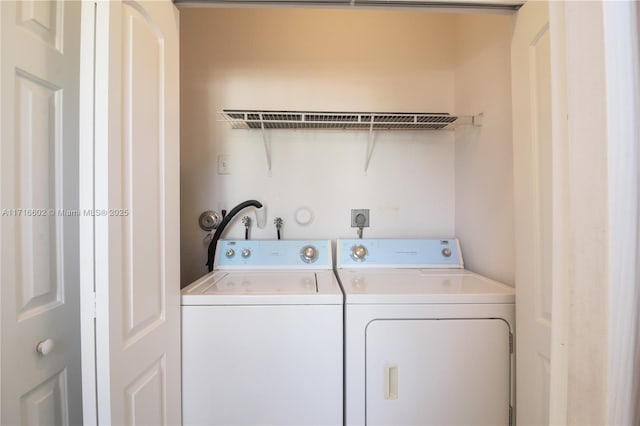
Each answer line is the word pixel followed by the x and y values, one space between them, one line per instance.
pixel 220 229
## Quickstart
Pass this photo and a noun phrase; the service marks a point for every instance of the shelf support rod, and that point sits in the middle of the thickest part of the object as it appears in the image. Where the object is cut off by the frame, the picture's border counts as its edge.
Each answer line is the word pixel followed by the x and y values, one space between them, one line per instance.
pixel 267 145
pixel 477 119
pixel 369 145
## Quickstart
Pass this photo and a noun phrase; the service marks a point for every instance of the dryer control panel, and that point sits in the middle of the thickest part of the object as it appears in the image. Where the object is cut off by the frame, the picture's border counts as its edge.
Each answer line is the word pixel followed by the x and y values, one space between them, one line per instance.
pixel 399 253
pixel 273 254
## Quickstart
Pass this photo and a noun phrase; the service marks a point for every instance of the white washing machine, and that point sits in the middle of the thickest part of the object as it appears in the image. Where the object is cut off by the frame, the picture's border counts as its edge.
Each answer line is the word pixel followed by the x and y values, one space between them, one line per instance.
pixel 426 341
pixel 262 337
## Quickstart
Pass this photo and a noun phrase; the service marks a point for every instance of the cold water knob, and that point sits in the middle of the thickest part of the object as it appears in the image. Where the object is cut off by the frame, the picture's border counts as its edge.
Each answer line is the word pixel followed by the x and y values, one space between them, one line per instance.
pixel 446 252
pixel 358 252
pixel 309 254
pixel 246 253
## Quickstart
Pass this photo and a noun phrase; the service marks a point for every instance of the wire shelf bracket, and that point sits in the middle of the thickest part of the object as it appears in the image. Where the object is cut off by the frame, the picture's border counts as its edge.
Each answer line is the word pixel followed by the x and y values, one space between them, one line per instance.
pixel 370 142
pixel 267 144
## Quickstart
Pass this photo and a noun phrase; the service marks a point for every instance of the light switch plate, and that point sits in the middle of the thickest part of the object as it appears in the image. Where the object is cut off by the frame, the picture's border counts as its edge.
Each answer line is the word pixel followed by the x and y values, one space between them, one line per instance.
pixel 223 165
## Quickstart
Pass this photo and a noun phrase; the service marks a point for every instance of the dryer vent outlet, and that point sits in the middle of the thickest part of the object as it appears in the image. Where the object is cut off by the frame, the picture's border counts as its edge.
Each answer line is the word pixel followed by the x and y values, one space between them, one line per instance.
pixel 359 218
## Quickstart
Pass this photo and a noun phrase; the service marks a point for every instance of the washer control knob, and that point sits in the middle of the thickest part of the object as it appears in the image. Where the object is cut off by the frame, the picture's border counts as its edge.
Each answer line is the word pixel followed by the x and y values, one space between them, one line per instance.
pixel 446 252
pixel 230 253
pixel 309 254
pixel 358 253
pixel 246 253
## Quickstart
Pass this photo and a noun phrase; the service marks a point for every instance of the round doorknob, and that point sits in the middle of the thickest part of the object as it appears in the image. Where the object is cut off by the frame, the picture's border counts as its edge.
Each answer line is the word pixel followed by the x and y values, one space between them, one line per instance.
pixel 45 347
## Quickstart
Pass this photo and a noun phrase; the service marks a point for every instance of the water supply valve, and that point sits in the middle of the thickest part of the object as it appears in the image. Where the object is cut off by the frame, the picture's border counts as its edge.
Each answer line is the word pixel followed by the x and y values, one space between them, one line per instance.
pixel 246 221
pixel 278 222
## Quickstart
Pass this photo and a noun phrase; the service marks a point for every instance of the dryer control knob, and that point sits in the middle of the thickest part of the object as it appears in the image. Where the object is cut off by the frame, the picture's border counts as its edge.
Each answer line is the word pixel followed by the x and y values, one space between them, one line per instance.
pixel 446 252
pixel 230 253
pixel 309 254
pixel 246 253
pixel 358 253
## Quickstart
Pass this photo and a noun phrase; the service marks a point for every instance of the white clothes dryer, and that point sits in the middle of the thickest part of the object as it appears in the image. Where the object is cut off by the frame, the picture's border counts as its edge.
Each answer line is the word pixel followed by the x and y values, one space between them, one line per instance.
pixel 262 340
pixel 426 341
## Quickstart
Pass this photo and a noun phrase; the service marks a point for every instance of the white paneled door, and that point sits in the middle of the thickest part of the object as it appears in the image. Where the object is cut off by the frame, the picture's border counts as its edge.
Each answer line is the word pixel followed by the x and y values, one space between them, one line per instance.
pixel 532 135
pixel 137 207
pixel 40 340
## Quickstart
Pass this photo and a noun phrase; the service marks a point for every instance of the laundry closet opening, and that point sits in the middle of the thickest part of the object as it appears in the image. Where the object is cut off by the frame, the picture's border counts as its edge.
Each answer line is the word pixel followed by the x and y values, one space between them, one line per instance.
pixel 417 183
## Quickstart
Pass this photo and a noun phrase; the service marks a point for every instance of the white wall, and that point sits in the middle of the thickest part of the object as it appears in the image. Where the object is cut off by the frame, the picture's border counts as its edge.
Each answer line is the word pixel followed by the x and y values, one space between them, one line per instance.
pixel 483 158
pixel 346 60
pixel 326 60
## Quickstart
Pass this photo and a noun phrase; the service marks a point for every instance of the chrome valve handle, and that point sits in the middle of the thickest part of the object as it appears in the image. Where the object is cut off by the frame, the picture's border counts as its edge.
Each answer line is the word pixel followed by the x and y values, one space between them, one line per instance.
pixel 278 222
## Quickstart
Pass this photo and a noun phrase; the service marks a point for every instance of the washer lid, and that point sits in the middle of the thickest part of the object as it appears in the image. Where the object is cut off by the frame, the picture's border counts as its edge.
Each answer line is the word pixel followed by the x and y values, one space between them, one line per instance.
pixel 263 288
pixel 419 286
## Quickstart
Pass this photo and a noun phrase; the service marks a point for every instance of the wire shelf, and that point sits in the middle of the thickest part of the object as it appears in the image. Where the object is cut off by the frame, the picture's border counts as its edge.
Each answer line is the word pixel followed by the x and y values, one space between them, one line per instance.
pixel 263 119
pixel 371 121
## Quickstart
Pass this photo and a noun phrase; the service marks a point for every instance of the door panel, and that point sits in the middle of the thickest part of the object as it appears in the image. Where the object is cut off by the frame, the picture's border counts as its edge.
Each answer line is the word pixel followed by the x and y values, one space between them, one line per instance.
pixel 47 403
pixel 531 88
pixel 37 154
pixel 143 171
pixel 144 393
pixel 43 19
pixel 438 372
pixel 137 240
pixel 39 223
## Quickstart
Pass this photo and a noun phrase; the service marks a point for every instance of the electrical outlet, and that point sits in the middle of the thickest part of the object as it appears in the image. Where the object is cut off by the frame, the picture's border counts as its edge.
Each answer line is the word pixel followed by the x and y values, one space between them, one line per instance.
pixel 223 165
pixel 359 218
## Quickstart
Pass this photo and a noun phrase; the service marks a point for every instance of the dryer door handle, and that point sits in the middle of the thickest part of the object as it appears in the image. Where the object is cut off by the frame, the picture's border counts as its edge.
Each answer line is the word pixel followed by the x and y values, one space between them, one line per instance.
pixel 390 381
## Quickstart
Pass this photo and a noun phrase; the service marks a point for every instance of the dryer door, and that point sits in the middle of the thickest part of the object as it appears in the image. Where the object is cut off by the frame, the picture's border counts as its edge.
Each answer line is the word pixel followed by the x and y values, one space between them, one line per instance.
pixel 438 372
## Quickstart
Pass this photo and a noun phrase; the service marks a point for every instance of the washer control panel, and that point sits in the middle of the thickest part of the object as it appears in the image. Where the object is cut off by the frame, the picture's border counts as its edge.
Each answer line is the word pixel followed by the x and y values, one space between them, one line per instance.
pixel 273 254
pixel 399 253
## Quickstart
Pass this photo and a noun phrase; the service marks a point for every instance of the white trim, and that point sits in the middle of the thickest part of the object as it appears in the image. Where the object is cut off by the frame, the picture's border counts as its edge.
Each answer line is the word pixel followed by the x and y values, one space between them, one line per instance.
pixel 623 133
pixel 86 194
pixel 578 388
pixel 497 7
pixel 1 101
pixel 101 201
pixel 559 373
